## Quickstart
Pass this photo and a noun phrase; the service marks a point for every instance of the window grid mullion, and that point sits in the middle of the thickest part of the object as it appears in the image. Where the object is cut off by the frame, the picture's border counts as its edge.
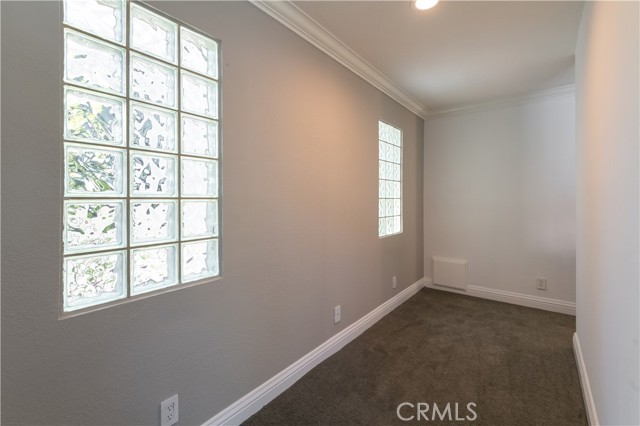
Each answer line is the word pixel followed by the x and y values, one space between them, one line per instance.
pixel 127 197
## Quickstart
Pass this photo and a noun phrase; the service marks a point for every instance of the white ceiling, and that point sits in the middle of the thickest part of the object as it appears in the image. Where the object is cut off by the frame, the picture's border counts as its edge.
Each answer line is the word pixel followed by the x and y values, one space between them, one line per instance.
pixel 459 52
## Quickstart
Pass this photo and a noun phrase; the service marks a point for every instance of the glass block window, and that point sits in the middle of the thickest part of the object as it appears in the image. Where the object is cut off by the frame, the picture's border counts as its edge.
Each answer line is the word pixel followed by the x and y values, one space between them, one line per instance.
pixel 389 180
pixel 141 207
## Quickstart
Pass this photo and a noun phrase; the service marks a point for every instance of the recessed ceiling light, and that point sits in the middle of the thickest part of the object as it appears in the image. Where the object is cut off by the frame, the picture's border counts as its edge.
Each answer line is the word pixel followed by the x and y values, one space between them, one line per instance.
pixel 424 4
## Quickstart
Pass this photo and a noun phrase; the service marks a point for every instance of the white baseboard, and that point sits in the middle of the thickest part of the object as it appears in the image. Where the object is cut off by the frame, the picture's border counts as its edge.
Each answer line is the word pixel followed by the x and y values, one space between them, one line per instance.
pixel 589 404
pixel 252 402
pixel 545 303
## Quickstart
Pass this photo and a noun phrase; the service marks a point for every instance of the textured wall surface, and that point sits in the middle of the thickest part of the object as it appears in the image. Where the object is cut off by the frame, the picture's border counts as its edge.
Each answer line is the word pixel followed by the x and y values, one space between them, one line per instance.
pixel 608 255
pixel 500 192
pixel 300 176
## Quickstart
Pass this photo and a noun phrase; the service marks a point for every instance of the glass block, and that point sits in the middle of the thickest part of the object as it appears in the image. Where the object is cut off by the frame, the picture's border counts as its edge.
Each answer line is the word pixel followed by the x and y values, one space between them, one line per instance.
pixel 90 117
pixel 199 53
pixel 396 172
pixel 396 189
pixel 389 171
pixel 382 227
pixel 381 208
pixel 388 152
pixel 396 154
pixel 93 171
pixel 153 175
pixel 153 221
pixel 199 95
pixel 153 34
pixel 199 178
pixel 388 223
pixel 397 207
pixel 199 260
pixel 93 279
pixel 382 150
pixel 153 268
pixel 383 131
pixel 388 207
pixel 93 64
pixel 397 225
pixel 382 189
pixel 152 81
pixel 104 18
pixel 93 225
pixel 382 169
pixel 153 128
pixel 199 219
pixel 199 136
pixel 389 189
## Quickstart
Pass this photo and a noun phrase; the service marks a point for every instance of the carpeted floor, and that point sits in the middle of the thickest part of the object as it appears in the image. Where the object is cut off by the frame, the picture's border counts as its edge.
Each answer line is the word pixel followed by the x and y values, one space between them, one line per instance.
pixel 515 363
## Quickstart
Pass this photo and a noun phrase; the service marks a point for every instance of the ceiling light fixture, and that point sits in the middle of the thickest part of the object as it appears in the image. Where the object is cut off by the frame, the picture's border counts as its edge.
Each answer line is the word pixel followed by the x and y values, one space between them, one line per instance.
pixel 424 4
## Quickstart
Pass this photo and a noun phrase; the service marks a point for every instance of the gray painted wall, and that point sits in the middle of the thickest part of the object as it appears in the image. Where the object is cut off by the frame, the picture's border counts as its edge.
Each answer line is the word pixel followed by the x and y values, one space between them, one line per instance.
pixel 500 192
pixel 300 230
pixel 608 206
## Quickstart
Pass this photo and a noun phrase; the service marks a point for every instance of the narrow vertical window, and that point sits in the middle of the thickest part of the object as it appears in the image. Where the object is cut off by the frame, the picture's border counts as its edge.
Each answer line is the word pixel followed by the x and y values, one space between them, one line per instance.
pixel 141 209
pixel 389 180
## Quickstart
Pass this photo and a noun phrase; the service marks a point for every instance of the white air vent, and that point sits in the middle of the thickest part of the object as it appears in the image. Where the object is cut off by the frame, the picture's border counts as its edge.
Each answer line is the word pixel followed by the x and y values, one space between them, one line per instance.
pixel 449 272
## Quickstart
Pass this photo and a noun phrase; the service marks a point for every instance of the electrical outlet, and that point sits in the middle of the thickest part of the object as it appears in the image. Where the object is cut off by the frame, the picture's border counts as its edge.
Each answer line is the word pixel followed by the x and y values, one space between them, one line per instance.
pixel 394 282
pixel 169 411
pixel 337 314
pixel 541 283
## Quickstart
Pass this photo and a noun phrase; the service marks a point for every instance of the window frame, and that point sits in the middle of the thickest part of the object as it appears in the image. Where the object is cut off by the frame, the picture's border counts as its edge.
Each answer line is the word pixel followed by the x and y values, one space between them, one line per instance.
pixel 127 198
pixel 400 181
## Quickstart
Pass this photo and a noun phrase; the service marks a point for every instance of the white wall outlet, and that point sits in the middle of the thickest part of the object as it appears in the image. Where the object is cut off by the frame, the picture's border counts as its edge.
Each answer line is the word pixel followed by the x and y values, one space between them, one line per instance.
pixel 169 411
pixel 394 282
pixel 337 314
pixel 541 283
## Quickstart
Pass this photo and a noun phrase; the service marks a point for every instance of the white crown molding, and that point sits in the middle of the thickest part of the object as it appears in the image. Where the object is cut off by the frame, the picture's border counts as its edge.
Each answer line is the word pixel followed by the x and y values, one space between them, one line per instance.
pixel 532 97
pixel 252 402
pixel 306 27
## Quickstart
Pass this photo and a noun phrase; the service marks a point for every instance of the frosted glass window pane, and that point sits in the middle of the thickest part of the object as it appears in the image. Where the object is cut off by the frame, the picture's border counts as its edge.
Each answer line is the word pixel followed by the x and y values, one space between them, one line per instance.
pixel 152 81
pixel 93 64
pixel 94 279
pixel 396 154
pixel 153 268
pixel 199 53
pixel 91 225
pixel 90 117
pixel 153 128
pixel 104 18
pixel 199 178
pixel 396 172
pixel 153 175
pixel 91 171
pixel 389 225
pixel 199 136
pixel 396 189
pixel 153 221
pixel 397 227
pixel 383 131
pixel 153 34
pixel 199 95
pixel 389 207
pixel 199 260
pixel 199 219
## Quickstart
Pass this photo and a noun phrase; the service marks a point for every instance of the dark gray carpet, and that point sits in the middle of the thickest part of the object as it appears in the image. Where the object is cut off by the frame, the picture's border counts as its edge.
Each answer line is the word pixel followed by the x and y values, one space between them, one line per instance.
pixel 515 363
